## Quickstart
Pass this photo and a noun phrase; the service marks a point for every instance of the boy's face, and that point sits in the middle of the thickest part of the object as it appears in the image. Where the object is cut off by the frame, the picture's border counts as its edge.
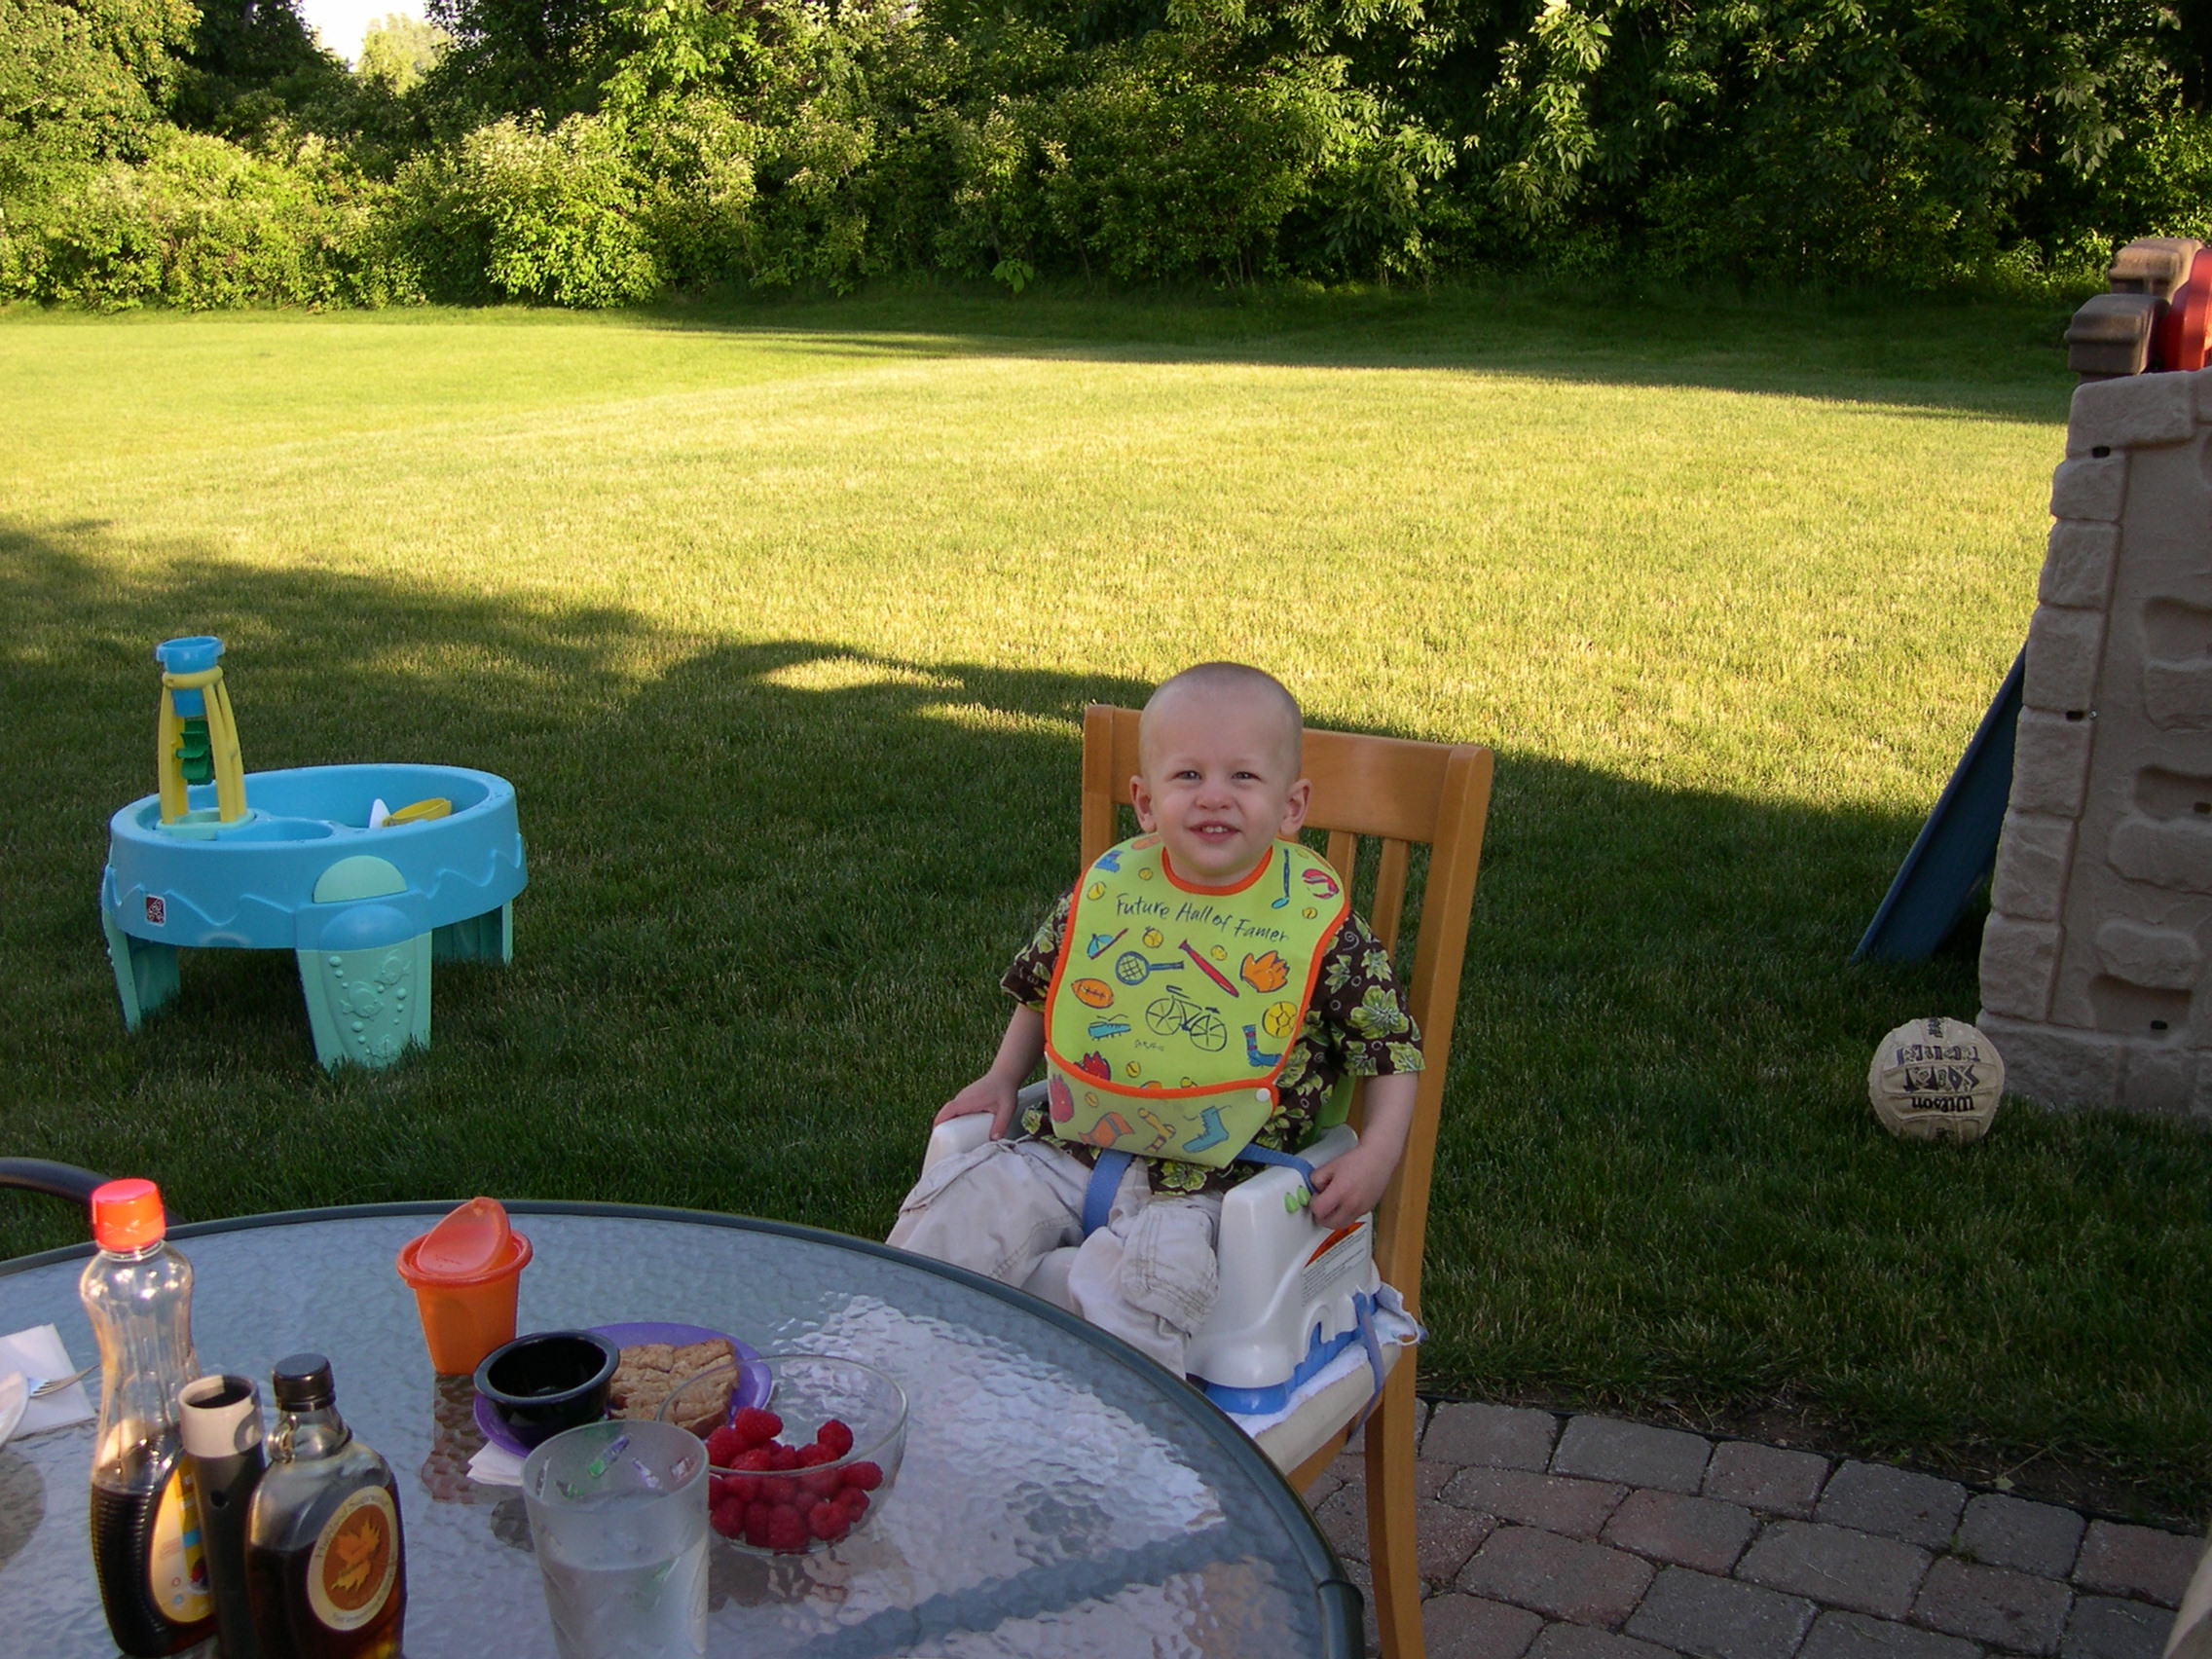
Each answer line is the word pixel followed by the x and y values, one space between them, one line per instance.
pixel 1219 784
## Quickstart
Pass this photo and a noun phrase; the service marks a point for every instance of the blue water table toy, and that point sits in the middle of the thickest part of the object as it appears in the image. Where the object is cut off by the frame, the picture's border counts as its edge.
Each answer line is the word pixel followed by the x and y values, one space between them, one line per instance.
pixel 310 861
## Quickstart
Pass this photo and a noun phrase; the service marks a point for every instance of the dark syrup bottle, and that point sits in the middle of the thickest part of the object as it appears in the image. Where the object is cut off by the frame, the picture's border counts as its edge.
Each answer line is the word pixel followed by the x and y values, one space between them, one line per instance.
pixel 220 1420
pixel 325 1561
pixel 147 1552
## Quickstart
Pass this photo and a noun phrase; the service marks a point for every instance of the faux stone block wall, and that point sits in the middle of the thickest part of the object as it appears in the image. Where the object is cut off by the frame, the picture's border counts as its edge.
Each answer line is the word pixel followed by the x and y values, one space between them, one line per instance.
pixel 2094 967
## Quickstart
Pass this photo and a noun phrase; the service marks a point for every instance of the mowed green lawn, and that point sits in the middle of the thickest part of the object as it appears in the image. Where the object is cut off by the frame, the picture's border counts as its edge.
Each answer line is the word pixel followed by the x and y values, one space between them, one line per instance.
pixel 780 619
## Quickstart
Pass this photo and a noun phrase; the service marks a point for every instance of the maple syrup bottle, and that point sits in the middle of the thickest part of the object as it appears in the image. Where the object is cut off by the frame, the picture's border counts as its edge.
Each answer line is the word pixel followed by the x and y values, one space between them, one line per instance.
pixel 325 1563
pixel 145 1520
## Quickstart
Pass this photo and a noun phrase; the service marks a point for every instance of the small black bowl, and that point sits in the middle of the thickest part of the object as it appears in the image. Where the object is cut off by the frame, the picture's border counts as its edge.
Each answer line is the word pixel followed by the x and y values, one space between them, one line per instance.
pixel 542 1383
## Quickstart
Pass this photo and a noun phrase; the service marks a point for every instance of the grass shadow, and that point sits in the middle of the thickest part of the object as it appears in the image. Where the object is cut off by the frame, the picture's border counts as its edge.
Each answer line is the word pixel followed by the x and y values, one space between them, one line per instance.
pixel 1990 358
pixel 772 886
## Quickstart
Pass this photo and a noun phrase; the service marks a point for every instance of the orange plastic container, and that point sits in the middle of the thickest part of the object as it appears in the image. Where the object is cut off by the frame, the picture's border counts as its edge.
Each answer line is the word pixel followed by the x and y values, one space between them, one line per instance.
pixel 465 1319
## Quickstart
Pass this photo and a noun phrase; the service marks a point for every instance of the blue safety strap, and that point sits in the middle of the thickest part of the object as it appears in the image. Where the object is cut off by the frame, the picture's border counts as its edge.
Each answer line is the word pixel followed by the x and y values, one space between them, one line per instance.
pixel 1363 1306
pixel 1281 1160
pixel 1098 1195
pixel 1106 1180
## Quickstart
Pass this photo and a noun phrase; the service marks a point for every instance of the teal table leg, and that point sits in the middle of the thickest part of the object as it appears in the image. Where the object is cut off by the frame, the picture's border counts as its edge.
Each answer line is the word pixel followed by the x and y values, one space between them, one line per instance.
pixel 145 972
pixel 368 1007
pixel 489 938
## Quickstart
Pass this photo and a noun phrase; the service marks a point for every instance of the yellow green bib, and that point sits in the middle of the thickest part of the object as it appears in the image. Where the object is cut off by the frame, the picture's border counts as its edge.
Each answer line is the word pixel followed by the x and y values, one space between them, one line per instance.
pixel 1173 1006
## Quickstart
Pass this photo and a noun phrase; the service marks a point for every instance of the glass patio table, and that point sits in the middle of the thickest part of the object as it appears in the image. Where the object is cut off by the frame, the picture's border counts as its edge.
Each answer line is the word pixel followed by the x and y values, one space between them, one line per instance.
pixel 1059 1494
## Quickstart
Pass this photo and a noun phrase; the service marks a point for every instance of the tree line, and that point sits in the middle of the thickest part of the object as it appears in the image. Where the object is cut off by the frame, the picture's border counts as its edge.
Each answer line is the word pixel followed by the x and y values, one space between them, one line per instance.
pixel 604 152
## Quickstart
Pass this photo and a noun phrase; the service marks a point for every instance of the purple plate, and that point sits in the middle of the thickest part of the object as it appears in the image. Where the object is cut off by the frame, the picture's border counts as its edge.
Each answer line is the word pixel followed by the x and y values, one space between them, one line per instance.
pixel 753 1383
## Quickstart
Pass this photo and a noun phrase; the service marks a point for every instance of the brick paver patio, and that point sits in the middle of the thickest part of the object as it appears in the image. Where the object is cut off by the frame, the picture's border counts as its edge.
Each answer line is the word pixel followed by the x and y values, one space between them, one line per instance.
pixel 1588 1538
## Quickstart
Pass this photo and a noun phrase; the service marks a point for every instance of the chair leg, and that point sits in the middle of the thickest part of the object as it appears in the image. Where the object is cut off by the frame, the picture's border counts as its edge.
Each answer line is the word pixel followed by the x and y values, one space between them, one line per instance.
pixel 1391 1545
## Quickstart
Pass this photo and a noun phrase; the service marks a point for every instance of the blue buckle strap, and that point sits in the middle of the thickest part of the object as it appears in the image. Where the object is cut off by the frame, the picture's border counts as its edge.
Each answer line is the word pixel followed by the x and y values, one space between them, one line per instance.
pixel 1106 1180
pixel 1363 1306
pixel 1098 1194
pixel 1280 1160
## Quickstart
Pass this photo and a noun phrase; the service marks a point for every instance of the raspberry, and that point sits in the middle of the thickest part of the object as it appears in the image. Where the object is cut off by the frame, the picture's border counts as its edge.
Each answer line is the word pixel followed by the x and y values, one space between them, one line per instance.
pixel 787 1456
pixel 757 1458
pixel 854 1502
pixel 866 1476
pixel 834 1435
pixel 743 1489
pixel 756 1516
pixel 821 1483
pixel 811 1455
pixel 723 1446
pixel 786 1530
pixel 829 1522
pixel 728 1519
pixel 756 1426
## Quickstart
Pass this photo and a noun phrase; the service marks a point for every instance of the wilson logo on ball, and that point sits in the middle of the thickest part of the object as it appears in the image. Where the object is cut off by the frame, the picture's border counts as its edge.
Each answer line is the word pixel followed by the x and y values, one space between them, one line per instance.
pixel 1936 1080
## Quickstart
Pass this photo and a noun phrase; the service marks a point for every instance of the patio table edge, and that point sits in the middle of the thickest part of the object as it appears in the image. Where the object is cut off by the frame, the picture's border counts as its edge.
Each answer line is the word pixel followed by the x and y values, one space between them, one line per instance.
pixel 1340 1600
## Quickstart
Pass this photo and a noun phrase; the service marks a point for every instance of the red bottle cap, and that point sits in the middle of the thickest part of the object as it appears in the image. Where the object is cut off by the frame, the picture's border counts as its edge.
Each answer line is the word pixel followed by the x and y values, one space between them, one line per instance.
pixel 127 1215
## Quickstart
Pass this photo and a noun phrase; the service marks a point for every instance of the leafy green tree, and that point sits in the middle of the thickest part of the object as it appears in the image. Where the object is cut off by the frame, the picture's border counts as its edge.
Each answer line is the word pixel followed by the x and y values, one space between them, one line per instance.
pixel 398 51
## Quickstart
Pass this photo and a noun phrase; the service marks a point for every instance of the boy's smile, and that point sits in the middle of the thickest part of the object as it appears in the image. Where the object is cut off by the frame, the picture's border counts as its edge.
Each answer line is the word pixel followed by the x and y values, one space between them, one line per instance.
pixel 1220 781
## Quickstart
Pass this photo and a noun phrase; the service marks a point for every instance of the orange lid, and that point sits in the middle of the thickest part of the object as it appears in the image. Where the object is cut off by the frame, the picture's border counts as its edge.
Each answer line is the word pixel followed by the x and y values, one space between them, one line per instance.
pixel 127 1215
pixel 466 1244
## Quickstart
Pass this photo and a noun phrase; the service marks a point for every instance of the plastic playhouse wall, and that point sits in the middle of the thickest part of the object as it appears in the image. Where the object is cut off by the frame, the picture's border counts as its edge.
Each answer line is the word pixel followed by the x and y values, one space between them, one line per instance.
pixel 2093 963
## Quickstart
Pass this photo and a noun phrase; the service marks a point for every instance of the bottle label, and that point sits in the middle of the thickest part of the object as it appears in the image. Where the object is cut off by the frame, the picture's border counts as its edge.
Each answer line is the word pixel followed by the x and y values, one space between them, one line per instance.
pixel 177 1559
pixel 355 1561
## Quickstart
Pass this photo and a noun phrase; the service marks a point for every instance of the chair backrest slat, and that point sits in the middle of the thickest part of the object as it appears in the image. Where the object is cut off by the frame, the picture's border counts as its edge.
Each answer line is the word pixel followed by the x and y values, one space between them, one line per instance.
pixel 1343 854
pixel 1389 892
pixel 1401 791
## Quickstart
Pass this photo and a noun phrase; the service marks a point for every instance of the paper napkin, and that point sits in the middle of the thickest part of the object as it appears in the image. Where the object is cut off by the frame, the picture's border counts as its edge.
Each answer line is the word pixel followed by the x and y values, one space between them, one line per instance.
pixel 495 1465
pixel 38 1352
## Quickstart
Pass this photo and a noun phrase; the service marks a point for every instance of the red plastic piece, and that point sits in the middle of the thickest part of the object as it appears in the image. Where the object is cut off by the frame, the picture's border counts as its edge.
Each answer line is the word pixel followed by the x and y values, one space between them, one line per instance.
pixel 2183 331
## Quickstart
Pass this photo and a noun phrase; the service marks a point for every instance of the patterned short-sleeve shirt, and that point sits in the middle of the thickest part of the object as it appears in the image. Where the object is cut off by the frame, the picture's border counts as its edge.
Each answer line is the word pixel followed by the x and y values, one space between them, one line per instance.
pixel 1356 1024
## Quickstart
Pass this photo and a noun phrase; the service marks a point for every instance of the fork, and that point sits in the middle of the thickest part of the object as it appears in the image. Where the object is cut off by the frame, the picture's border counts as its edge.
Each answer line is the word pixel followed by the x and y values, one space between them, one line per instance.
pixel 40 1387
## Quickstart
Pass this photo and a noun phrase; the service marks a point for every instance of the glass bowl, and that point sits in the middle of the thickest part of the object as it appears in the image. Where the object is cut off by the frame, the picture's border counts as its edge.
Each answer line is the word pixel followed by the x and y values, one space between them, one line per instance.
pixel 763 1496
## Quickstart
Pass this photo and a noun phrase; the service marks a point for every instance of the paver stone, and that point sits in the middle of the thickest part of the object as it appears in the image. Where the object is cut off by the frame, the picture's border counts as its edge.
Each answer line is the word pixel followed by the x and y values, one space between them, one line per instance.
pixel 2010 1531
pixel 1587 1641
pixel 1468 1627
pixel 1689 1531
pixel 1837 1566
pixel 1838 1635
pixel 1768 1478
pixel 1874 1497
pixel 1719 1618
pixel 1343 1521
pixel 2137 1561
pixel 2104 1627
pixel 1495 1437
pixel 1607 1449
pixel 1554 1502
pixel 2015 1610
pixel 1446 1535
pixel 1587 1583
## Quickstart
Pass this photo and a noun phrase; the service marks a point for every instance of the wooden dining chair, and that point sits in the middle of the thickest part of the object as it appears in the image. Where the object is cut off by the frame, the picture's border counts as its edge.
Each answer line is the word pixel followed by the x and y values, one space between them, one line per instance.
pixel 1400 792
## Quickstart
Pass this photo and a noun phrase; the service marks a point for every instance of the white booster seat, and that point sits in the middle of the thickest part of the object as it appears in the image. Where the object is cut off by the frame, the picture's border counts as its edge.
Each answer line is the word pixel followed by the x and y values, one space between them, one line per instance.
pixel 1293 1294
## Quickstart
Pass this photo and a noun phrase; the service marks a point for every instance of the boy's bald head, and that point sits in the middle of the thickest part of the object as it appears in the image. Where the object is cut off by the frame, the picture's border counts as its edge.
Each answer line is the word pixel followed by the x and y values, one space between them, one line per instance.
pixel 1223 684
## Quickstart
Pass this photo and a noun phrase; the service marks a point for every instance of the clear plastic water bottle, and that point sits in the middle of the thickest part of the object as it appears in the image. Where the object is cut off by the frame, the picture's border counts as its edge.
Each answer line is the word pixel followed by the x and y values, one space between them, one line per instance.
pixel 147 1550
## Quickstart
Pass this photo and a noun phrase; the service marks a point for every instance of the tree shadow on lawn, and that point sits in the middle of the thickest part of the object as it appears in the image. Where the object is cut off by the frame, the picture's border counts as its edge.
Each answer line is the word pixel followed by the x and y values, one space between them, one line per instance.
pixel 1991 359
pixel 772 887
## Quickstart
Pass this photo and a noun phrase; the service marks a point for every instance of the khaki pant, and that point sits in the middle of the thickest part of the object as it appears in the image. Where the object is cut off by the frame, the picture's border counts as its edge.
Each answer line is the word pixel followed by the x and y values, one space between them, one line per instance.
pixel 1149 1275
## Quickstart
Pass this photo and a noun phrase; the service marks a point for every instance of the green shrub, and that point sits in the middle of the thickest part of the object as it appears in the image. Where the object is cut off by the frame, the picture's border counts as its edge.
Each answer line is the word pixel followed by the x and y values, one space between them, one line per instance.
pixel 517 213
pixel 203 224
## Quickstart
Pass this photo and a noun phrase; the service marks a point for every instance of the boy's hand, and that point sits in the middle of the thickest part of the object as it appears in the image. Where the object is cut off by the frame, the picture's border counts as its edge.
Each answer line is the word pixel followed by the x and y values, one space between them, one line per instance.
pixel 987 1093
pixel 1347 1188
pixel 1019 1050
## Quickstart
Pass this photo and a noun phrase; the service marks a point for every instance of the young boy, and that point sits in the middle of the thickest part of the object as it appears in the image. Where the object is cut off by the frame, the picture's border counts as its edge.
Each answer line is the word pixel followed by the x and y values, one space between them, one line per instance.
pixel 1215 918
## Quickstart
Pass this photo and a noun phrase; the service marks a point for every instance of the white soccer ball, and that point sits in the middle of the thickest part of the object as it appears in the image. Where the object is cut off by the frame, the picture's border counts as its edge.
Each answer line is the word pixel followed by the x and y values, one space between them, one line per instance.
pixel 1936 1080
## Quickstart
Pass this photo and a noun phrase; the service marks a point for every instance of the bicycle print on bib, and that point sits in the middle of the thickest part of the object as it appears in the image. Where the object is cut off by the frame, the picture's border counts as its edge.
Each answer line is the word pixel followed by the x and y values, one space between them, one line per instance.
pixel 1173 1006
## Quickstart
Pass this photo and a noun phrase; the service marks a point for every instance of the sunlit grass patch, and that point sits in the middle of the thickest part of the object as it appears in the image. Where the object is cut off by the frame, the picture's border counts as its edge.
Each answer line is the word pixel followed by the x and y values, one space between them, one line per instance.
pixel 782 622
